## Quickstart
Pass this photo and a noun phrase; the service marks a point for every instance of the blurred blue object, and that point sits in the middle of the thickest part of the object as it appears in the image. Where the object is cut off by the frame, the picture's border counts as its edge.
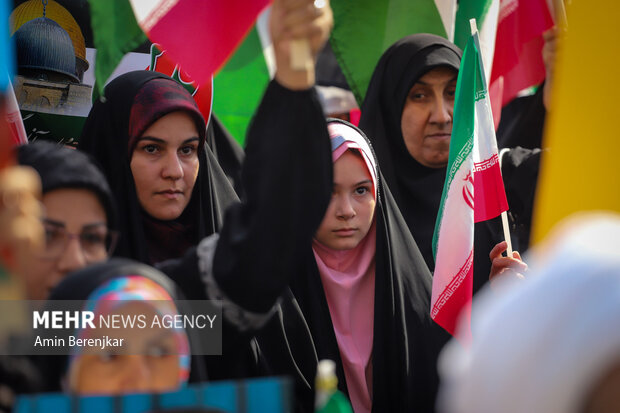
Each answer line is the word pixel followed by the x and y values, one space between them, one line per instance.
pixel 273 395
pixel 7 51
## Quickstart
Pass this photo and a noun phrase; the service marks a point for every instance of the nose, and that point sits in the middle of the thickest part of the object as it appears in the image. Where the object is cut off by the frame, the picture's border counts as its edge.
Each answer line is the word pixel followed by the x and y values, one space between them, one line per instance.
pixel 344 208
pixel 72 258
pixel 136 374
pixel 442 111
pixel 172 168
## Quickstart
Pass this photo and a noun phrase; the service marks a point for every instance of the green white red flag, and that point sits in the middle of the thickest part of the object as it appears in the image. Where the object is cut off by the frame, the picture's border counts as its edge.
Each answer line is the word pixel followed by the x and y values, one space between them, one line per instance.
pixel 473 192
pixel 518 62
pixel 198 35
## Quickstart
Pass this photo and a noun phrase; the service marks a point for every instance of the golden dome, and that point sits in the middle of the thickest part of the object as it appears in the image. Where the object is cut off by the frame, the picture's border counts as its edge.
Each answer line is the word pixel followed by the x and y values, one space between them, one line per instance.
pixel 33 9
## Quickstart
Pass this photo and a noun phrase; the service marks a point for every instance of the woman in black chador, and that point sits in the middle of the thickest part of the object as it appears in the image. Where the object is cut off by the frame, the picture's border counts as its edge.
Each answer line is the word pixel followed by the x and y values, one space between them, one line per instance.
pixel 149 138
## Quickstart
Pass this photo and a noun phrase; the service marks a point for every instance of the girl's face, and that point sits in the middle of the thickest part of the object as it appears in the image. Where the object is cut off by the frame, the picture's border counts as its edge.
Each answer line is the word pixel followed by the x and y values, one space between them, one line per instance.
pixel 351 210
pixel 164 165
pixel 148 361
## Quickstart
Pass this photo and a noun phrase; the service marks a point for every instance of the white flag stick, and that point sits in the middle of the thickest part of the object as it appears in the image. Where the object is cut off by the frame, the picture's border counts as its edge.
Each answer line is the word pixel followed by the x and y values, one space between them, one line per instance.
pixel 507 234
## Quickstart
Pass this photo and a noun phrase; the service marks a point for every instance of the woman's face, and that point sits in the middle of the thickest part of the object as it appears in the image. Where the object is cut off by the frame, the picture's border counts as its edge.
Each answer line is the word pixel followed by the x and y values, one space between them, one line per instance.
pixel 149 361
pixel 426 122
pixel 351 210
pixel 74 238
pixel 164 165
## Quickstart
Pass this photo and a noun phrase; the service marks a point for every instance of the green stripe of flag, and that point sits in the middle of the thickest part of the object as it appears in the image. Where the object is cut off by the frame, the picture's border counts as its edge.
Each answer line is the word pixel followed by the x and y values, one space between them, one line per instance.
pixel 469 9
pixel 239 86
pixel 115 32
pixel 364 29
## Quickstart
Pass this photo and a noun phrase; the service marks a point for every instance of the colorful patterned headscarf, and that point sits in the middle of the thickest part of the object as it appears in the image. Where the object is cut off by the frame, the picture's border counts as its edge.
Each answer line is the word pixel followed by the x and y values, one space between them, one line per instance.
pixel 116 292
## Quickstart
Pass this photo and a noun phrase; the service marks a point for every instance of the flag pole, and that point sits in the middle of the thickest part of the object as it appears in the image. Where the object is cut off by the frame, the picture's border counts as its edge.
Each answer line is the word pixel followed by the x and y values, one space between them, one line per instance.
pixel 301 53
pixel 560 14
pixel 474 31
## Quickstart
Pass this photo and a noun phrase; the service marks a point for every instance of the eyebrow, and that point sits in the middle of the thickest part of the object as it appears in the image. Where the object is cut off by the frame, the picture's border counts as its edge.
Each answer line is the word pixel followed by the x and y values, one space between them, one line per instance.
pixel 61 224
pixel 365 181
pixel 165 142
pixel 428 84
pixel 157 339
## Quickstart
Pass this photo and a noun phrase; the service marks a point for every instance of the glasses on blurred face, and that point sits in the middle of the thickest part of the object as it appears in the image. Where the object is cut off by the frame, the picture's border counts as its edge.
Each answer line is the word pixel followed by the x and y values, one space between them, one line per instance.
pixel 96 240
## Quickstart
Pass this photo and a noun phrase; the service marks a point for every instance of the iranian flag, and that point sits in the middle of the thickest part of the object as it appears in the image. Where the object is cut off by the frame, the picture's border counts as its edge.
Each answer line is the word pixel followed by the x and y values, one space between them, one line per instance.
pixel 198 35
pixel 237 87
pixel 473 192
pixel 518 63
pixel 364 29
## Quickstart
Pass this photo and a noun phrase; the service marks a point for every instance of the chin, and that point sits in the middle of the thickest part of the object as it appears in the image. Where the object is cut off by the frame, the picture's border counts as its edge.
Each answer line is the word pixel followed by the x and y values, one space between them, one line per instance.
pixel 345 245
pixel 166 215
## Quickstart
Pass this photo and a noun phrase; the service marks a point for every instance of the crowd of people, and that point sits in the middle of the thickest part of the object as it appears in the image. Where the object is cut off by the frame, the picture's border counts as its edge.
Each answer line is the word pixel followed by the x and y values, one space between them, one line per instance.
pixel 318 246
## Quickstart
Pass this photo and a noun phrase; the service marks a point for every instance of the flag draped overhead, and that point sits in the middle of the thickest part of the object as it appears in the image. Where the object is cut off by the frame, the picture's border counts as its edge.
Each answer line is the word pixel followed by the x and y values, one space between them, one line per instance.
pixel 518 62
pixel 364 29
pixel 240 84
pixel 473 192
pixel 115 33
pixel 199 35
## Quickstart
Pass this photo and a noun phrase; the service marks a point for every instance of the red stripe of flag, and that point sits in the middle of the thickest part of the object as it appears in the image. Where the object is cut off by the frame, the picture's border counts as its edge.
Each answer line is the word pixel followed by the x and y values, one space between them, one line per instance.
pixel 201 35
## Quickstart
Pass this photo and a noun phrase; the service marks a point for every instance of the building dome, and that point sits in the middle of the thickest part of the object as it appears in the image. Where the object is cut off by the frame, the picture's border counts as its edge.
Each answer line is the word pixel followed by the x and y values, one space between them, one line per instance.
pixel 42 45
pixel 33 9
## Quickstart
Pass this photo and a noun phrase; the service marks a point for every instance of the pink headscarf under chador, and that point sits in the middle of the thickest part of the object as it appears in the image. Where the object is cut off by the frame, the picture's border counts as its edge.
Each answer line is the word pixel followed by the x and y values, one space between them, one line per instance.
pixel 348 279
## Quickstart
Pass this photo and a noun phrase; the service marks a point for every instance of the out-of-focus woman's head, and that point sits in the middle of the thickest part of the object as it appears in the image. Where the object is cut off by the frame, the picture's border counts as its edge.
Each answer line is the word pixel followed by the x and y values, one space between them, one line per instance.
pixel 138 356
pixel 550 344
pixel 79 215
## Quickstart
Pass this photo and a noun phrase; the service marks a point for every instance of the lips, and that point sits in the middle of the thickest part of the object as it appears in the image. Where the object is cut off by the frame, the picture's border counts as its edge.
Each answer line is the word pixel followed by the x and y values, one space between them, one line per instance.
pixel 170 193
pixel 345 232
pixel 443 136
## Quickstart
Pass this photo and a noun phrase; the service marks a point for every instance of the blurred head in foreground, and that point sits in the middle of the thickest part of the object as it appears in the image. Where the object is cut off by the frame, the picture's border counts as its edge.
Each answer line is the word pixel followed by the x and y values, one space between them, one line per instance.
pixel 552 343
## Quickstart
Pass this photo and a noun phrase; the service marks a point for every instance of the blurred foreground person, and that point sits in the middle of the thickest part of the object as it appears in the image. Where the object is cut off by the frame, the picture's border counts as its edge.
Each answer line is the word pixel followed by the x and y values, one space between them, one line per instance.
pixel 79 216
pixel 552 343
pixel 150 360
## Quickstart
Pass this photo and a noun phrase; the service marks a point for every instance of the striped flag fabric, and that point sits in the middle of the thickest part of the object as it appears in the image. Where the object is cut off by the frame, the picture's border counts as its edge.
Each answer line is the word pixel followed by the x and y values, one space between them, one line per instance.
pixel 239 86
pixel 486 13
pixel 518 63
pixel 364 29
pixel 473 192
pixel 199 35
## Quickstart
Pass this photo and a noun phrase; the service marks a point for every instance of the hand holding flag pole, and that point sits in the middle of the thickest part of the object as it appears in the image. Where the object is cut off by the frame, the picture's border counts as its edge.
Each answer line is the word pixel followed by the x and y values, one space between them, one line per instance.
pixel 301 52
pixel 299 30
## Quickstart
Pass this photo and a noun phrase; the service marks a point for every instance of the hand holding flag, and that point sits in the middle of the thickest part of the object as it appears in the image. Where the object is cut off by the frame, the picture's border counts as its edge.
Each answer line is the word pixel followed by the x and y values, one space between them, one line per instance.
pixel 298 20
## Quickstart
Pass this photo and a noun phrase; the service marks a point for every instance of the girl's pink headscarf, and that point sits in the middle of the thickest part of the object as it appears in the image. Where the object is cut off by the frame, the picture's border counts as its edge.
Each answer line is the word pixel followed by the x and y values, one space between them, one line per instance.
pixel 348 279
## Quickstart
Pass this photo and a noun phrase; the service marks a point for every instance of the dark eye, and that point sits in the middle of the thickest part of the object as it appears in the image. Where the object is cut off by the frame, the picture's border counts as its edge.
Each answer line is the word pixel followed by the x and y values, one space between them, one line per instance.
pixel 93 238
pixel 108 357
pixel 53 235
pixel 362 190
pixel 158 350
pixel 188 150
pixel 150 148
